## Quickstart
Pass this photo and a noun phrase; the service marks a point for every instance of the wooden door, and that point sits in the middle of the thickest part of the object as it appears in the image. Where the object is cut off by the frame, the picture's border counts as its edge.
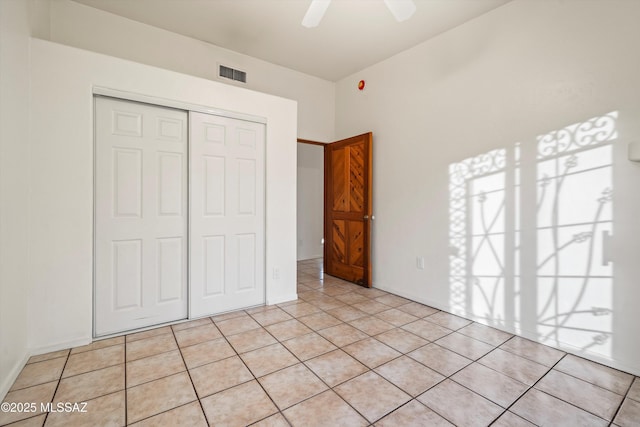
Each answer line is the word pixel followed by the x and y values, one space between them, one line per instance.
pixel 347 205
pixel 140 215
pixel 227 217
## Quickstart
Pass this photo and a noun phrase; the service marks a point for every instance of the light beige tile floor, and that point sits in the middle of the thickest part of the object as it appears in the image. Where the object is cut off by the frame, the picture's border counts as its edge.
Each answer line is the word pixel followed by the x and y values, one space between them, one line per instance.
pixel 339 355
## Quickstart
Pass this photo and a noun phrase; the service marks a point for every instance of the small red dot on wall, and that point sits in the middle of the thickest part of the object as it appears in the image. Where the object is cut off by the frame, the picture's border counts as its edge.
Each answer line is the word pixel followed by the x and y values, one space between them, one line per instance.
pixel 361 85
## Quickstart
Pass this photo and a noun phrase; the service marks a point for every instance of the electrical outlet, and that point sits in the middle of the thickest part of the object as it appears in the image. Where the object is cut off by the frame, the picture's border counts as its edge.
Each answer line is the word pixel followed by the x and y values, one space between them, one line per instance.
pixel 420 263
pixel 276 273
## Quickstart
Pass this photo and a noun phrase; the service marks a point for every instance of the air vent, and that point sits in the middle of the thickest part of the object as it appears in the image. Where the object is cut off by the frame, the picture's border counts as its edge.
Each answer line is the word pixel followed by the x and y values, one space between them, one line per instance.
pixel 233 74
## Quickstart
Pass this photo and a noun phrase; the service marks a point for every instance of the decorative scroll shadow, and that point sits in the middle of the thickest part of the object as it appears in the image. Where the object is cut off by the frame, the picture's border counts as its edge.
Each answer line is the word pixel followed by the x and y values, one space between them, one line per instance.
pixel 474 231
pixel 574 223
pixel 571 273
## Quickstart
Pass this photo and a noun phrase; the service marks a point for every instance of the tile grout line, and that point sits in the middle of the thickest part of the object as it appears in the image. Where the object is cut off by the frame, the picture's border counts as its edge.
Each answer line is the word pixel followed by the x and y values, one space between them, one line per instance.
pixel 251 372
pixel 12 390
pixel 402 354
pixel 312 371
pixel 532 386
pixel 58 385
pixel 588 382
pixel 593 384
pixel 337 348
pixel 159 378
pixel 325 301
pixel 434 342
pixel 493 349
pixel 126 389
pixel 625 397
pixel 449 377
pixel 368 368
pixel 428 342
pixel 405 354
pixel 329 388
pixel 195 391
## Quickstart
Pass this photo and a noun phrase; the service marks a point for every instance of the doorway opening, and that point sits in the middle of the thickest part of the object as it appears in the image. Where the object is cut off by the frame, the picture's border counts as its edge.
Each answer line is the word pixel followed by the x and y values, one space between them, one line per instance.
pixel 346 214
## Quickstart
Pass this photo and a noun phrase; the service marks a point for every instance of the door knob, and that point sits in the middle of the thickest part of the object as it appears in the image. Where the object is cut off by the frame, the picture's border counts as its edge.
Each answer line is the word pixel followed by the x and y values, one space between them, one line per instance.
pixel 367 217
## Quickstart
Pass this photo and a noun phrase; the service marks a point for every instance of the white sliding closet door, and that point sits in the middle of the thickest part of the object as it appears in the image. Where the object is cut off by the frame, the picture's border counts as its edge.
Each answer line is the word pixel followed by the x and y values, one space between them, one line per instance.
pixel 227 230
pixel 140 215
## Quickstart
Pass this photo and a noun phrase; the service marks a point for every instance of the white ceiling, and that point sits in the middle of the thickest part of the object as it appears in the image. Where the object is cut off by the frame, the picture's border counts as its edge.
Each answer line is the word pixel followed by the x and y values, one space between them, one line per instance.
pixel 353 34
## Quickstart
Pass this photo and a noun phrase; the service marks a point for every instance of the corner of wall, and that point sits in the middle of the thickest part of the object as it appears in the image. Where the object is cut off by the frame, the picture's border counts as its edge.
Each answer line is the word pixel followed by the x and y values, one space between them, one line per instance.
pixel 40 18
pixel 14 151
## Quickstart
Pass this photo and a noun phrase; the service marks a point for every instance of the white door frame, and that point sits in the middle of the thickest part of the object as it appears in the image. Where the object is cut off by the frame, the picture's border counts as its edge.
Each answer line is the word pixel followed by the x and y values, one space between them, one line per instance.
pixel 179 105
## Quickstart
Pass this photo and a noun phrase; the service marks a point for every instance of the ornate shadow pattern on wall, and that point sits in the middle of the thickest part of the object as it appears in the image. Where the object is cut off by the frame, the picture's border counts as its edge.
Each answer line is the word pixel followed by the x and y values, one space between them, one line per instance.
pixel 529 234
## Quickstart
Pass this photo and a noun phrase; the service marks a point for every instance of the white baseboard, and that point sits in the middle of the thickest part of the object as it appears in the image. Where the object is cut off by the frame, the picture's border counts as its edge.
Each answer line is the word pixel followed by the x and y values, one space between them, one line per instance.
pixel 61 346
pixel 612 363
pixel 280 300
pixel 530 335
pixel 8 382
pixel 13 374
pixel 308 257
pixel 410 296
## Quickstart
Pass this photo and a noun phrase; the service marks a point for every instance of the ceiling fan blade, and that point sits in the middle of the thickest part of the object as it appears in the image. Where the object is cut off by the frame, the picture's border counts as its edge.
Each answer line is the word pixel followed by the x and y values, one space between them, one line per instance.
pixel 314 14
pixel 401 9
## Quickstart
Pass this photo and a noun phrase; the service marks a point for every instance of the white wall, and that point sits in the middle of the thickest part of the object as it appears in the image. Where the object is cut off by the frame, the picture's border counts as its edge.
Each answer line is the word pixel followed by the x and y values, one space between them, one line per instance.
pixel 310 200
pixel 61 179
pixel 522 70
pixel 14 170
pixel 81 26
